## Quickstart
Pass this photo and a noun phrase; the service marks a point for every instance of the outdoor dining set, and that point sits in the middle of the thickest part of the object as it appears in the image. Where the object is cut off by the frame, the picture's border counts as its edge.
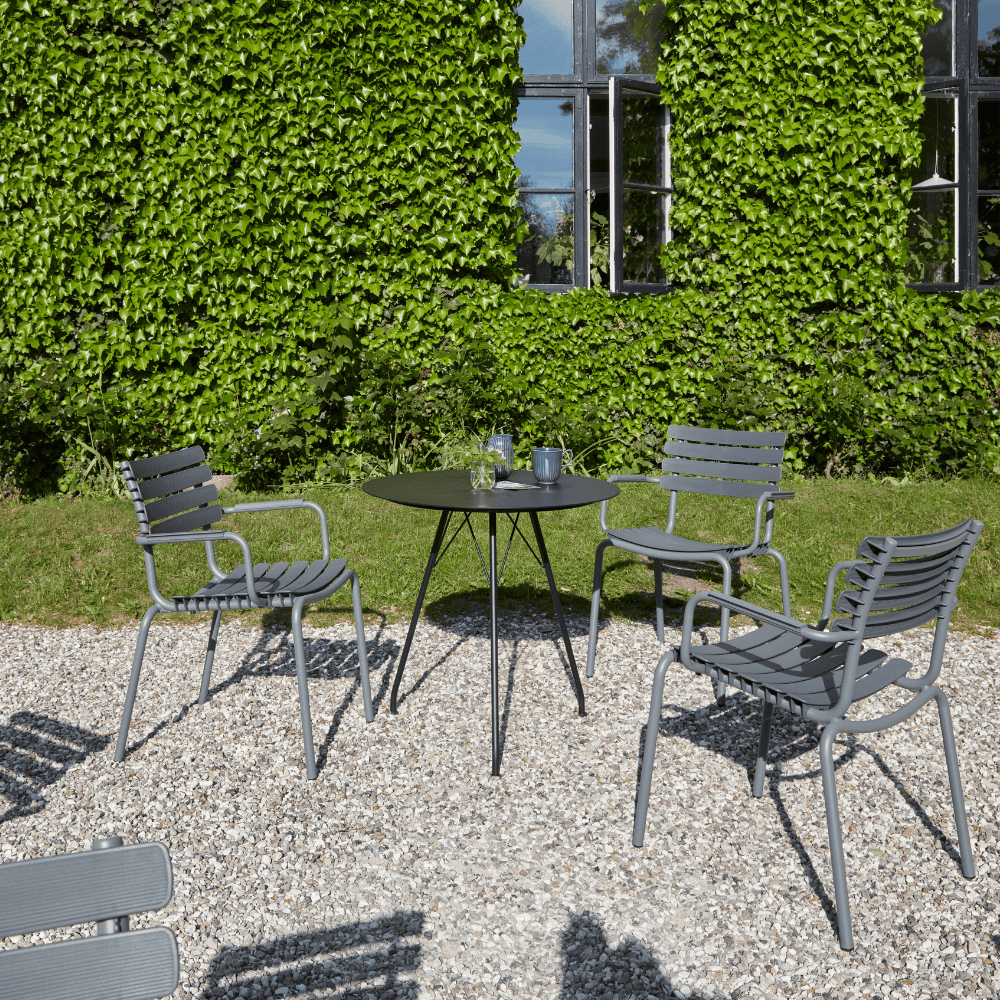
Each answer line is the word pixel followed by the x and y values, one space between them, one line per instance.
pixel 816 672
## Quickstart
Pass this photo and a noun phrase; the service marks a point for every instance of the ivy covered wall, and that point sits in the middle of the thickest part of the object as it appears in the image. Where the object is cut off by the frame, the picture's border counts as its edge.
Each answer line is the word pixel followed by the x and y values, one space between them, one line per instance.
pixel 222 217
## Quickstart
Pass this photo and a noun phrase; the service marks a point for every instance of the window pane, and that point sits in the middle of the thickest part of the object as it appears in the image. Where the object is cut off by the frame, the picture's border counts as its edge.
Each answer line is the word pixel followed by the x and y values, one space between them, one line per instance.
pixel 549 26
pixel 643 234
pixel 937 43
pixel 937 127
pixel 600 193
pixel 545 125
pixel 546 256
pixel 989 145
pixel 628 40
pixel 989 37
pixel 930 237
pixel 643 138
pixel 989 241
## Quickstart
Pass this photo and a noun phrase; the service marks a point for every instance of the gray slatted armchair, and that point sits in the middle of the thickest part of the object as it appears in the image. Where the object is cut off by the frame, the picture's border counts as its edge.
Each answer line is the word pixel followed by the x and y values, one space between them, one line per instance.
pixel 174 500
pixel 105 885
pixel 739 464
pixel 820 674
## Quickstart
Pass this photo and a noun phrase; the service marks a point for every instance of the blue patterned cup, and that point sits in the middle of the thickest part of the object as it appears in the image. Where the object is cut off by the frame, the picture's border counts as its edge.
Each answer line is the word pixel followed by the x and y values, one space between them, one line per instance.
pixel 547 464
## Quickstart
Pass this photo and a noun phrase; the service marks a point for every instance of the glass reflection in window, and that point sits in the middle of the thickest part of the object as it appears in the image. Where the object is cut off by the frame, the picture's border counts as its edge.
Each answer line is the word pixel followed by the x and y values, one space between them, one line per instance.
pixel 545 127
pixel 938 57
pixel 989 145
pixel 549 26
pixel 989 241
pixel 989 37
pixel 628 39
pixel 546 256
pixel 930 237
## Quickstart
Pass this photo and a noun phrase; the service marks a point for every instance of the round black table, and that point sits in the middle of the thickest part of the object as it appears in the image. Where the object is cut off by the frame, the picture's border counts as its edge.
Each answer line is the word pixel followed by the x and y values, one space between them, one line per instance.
pixel 450 491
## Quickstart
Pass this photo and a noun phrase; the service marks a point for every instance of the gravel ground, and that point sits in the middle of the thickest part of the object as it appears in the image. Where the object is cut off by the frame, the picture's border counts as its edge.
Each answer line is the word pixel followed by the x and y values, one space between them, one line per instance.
pixel 406 871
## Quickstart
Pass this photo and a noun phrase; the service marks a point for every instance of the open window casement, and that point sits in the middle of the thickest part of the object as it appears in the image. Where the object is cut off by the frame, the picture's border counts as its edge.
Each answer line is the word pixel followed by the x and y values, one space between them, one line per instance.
pixel 639 156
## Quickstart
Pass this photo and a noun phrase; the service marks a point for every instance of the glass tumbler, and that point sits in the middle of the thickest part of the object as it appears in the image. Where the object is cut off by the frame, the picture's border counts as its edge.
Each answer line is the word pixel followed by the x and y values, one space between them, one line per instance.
pixel 481 476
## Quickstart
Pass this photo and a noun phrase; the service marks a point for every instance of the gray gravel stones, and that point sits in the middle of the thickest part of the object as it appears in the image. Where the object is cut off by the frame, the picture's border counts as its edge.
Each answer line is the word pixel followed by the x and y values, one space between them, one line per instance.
pixel 406 871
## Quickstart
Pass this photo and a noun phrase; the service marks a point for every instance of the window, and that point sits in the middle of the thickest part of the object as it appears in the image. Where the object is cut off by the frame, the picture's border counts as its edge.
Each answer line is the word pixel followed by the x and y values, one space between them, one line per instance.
pixel 593 146
pixel 954 225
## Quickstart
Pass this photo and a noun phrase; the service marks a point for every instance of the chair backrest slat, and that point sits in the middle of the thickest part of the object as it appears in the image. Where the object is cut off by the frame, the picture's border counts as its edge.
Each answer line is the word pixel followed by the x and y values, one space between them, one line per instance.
pixel 136 965
pixel 200 496
pixel 724 453
pixel 722 470
pixel 715 487
pixel 88 886
pixel 160 465
pixel 152 489
pixel 712 435
pixel 191 521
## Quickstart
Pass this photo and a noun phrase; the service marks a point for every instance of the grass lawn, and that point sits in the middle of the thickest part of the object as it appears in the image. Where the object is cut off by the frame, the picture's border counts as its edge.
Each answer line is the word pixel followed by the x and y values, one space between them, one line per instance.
pixel 72 562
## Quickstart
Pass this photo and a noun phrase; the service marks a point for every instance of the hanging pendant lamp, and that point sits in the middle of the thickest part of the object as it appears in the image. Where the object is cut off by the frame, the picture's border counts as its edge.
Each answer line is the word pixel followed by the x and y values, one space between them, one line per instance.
pixel 935 180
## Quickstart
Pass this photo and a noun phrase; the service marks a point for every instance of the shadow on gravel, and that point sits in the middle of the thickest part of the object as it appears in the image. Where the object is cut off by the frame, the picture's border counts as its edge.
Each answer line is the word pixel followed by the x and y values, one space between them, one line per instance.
pixel 349 962
pixel 593 970
pixel 35 752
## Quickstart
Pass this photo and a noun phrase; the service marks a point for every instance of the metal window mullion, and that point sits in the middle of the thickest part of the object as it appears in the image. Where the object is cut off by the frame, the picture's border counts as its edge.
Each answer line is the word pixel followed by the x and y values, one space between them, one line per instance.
pixel 581 203
pixel 968 207
pixel 616 178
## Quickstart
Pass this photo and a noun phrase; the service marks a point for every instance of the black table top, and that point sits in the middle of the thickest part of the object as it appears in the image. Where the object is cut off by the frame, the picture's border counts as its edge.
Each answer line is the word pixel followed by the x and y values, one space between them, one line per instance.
pixel 451 489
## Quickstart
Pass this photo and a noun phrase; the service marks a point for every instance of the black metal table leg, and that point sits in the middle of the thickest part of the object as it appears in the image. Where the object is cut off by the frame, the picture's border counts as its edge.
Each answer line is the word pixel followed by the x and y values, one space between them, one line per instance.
pixel 559 613
pixel 494 647
pixel 435 546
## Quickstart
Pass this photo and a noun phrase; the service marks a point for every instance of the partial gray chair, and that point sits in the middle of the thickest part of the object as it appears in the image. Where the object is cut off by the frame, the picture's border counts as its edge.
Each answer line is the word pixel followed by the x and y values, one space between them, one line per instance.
pixel 741 464
pixel 820 673
pixel 174 504
pixel 105 885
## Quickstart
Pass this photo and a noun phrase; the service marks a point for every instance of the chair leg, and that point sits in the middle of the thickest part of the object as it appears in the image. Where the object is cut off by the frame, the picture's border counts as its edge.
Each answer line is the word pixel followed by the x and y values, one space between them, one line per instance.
pixel 133 681
pixel 595 606
pixel 213 638
pixel 727 589
pixel 786 597
pixel 359 627
pixel 649 751
pixel 765 739
pixel 955 780
pixel 836 840
pixel 300 670
pixel 658 585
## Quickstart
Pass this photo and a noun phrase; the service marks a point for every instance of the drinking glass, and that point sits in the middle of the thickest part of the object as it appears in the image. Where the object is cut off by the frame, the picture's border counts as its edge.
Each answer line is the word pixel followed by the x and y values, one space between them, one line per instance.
pixel 481 476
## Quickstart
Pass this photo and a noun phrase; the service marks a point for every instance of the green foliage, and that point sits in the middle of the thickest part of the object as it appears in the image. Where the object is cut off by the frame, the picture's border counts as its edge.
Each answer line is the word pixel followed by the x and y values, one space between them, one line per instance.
pixel 795 125
pixel 286 229
pixel 191 194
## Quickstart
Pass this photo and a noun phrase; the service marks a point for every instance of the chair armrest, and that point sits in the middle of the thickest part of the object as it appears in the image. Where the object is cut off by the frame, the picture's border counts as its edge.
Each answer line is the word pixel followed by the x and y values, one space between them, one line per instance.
pixel 758 517
pixel 290 504
pixel 197 536
pixel 786 624
pixel 629 478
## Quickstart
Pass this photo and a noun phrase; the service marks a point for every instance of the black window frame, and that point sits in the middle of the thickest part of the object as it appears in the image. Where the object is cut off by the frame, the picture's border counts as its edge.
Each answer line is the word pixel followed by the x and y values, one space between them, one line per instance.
pixel 969 89
pixel 581 85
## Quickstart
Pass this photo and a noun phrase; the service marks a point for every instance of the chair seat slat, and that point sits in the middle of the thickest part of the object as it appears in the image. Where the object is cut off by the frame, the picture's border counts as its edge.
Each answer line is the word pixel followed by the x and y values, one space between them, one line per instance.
pixel 712 435
pixel 78 888
pixel 136 965
pixel 177 502
pixel 721 470
pixel 715 487
pixel 150 489
pixel 724 453
pixel 657 538
pixel 191 521
pixel 160 465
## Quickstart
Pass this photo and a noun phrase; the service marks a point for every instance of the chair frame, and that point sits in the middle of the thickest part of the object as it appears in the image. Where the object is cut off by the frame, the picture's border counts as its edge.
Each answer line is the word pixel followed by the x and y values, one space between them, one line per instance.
pixel 177 487
pixel 901 583
pixel 709 462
